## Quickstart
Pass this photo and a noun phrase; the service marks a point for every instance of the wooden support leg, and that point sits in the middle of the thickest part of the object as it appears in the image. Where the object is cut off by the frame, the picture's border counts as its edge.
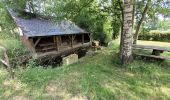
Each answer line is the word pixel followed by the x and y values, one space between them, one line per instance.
pixel 156 52
pixel 55 39
pixel 82 38
pixel 31 46
pixel 72 39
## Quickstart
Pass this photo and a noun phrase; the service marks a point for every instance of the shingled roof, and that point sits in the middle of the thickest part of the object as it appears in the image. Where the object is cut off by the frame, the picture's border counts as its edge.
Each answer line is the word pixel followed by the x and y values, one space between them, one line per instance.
pixel 40 27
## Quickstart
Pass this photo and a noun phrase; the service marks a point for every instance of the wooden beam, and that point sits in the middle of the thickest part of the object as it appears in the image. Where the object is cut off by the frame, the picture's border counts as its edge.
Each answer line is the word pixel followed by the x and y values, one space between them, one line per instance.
pixel 72 39
pixel 36 43
pixel 152 47
pixel 31 46
pixel 62 52
pixel 57 43
pixel 82 38
pixel 55 38
pixel 59 40
pixel 154 56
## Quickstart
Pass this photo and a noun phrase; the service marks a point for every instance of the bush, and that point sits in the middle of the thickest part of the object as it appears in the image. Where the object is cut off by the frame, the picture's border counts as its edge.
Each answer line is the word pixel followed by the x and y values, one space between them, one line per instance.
pixel 8 36
pixel 155 35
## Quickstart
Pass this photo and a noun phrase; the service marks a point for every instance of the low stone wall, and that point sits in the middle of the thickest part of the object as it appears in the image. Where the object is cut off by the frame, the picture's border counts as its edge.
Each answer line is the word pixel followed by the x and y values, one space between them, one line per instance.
pixel 73 58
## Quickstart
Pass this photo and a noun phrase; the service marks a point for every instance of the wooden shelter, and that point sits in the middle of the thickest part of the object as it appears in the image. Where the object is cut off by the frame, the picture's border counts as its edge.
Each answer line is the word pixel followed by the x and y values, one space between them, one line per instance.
pixel 43 37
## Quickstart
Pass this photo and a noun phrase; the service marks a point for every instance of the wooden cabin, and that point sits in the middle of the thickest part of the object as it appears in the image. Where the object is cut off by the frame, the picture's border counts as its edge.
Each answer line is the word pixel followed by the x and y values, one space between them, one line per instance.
pixel 44 38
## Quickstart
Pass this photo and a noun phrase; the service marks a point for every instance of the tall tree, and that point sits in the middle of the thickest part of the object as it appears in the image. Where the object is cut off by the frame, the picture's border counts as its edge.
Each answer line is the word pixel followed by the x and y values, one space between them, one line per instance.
pixel 141 20
pixel 121 30
pixel 127 36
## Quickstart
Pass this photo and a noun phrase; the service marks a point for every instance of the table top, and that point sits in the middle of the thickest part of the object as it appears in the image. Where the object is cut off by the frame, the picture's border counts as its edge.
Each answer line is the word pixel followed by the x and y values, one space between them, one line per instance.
pixel 152 47
pixel 162 46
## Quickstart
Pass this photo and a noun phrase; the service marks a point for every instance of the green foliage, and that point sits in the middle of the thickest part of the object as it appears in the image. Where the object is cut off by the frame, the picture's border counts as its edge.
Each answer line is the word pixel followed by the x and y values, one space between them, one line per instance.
pixel 163 25
pixel 88 15
pixel 155 35
pixel 32 63
pixel 9 38
pixel 17 5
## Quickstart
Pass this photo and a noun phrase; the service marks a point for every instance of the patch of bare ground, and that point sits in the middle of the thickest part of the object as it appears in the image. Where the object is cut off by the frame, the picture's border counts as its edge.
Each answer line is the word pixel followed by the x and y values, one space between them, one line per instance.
pixel 19 98
pixel 165 90
pixel 14 87
pixel 56 92
pixel 14 84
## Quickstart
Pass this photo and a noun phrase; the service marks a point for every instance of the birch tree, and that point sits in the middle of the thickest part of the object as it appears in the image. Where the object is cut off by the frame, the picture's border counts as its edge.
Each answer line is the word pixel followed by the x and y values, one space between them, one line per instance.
pixel 127 35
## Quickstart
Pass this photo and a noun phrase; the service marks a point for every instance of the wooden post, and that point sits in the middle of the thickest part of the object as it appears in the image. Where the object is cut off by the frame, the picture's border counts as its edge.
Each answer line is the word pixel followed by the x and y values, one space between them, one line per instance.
pixel 55 38
pixel 90 39
pixel 31 47
pixel 72 41
pixel 57 43
pixel 82 38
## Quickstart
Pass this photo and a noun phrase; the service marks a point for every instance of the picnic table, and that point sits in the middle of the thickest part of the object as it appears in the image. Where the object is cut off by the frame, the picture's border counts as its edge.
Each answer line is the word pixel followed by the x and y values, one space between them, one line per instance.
pixel 156 49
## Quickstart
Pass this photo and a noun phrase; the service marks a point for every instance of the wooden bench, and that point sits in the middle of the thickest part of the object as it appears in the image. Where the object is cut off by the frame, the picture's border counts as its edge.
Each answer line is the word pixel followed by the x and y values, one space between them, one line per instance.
pixel 153 56
pixel 156 51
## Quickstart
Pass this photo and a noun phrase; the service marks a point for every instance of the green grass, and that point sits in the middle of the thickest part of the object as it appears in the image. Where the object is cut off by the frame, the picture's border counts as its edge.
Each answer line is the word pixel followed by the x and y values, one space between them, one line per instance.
pixel 99 77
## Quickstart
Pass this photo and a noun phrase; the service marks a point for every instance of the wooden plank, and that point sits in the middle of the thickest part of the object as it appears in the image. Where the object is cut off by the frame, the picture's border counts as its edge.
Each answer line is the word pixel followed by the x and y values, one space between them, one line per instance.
pixel 55 38
pixel 47 44
pixel 59 53
pixel 48 48
pixel 59 40
pixel 57 43
pixel 36 43
pixel 151 47
pixel 154 56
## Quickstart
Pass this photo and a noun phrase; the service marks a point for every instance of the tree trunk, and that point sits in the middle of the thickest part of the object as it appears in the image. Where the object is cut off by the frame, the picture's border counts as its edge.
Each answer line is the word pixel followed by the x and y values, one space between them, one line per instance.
pixel 127 36
pixel 121 30
pixel 134 9
pixel 140 22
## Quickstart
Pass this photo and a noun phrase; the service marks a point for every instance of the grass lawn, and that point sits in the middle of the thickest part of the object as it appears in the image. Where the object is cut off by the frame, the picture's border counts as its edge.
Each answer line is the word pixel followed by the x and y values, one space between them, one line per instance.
pixel 98 77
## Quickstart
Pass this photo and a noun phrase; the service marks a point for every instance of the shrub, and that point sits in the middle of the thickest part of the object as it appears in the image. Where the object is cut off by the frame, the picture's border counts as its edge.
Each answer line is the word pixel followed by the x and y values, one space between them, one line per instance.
pixel 32 63
pixel 155 35
pixel 8 36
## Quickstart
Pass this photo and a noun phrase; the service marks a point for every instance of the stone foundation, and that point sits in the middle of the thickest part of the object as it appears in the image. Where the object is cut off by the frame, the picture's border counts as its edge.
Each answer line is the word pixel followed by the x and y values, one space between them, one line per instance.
pixel 73 58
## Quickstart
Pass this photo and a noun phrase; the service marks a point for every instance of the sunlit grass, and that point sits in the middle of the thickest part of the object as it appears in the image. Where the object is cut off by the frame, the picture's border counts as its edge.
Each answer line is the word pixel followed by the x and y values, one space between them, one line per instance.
pixel 97 77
